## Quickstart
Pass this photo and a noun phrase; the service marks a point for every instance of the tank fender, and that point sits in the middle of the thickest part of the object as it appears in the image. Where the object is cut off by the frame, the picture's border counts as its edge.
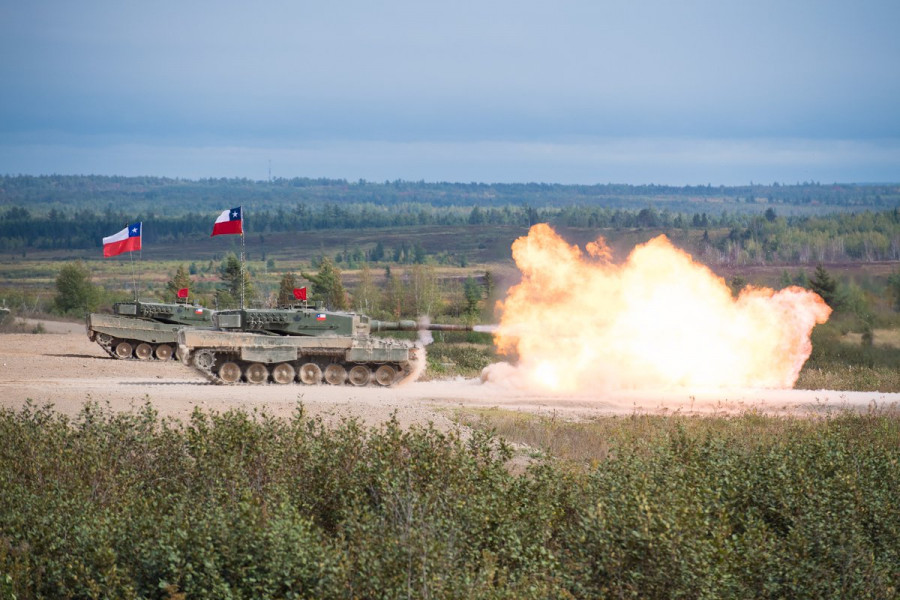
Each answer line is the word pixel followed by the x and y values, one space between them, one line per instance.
pixel 378 354
pixel 268 354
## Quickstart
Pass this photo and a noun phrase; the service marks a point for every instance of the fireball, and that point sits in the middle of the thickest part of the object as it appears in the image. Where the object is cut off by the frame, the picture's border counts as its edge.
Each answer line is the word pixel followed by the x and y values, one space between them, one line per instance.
pixel 577 321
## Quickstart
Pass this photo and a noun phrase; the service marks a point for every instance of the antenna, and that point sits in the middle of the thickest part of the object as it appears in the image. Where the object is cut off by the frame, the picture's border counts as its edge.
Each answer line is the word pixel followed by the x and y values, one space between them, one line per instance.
pixel 270 170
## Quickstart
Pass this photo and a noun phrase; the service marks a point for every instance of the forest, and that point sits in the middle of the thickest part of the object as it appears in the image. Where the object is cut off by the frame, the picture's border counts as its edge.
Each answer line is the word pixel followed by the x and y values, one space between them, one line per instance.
pixel 735 226
pixel 70 193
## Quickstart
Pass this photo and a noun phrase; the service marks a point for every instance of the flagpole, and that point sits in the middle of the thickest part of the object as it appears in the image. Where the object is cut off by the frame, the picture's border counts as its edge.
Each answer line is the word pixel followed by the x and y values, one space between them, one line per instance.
pixel 141 250
pixel 242 258
pixel 133 274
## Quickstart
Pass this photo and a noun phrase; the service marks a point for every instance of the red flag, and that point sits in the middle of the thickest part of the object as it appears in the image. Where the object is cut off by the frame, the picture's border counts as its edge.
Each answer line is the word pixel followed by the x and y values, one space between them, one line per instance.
pixel 183 293
pixel 127 240
pixel 230 221
pixel 300 293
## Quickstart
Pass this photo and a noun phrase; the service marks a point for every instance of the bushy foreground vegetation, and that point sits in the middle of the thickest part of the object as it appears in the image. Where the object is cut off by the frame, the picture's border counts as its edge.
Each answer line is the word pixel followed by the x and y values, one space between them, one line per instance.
pixel 248 506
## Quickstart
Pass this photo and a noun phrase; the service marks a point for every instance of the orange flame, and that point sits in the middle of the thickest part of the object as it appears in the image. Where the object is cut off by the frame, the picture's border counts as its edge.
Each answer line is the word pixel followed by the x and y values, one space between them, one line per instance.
pixel 578 322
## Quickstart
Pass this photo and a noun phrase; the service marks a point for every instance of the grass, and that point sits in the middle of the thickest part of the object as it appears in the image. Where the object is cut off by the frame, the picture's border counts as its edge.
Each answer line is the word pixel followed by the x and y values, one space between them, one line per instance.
pixel 850 378
pixel 458 360
pixel 598 439
pixel 880 337
pixel 837 363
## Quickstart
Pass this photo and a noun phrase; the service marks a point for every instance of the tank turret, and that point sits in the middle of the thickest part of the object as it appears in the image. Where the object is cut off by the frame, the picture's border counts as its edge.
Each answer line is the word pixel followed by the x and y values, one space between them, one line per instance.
pixel 144 330
pixel 305 345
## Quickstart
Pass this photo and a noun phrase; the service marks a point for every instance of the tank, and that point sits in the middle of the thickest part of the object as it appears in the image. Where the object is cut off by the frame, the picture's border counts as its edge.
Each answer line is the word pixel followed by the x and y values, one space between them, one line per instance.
pixel 304 345
pixel 144 330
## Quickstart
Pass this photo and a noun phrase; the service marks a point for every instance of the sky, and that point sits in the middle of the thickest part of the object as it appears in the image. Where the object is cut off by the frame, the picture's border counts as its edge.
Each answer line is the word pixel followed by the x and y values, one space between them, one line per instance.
pixel 722 92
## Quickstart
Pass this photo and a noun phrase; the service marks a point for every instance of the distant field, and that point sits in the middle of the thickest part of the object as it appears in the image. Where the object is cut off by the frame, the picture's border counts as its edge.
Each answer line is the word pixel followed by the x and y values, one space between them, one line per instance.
pixel 880 337
pixel 480 244
pixel 483 248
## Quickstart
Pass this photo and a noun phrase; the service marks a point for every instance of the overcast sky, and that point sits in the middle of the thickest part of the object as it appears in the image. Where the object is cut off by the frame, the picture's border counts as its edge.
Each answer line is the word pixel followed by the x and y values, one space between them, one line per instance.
pixel 582 91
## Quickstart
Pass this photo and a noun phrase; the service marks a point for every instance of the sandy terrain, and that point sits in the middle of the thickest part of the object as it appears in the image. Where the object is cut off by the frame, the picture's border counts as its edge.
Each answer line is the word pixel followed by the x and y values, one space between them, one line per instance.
pixel 64 368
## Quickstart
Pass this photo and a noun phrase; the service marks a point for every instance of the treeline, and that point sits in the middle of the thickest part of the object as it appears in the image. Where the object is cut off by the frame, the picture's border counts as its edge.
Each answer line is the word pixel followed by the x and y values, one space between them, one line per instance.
pixel 863 237
pixel 180 196
pixel 732 238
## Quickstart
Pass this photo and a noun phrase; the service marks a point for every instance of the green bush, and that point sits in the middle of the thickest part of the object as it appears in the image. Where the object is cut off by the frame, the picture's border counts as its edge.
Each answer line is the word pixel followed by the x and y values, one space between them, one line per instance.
pixel 241 505
pixel 75 293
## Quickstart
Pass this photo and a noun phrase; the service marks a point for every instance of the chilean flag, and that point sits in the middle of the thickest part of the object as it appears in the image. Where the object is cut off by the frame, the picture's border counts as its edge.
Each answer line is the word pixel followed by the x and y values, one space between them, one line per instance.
pixel 228 222
pixel 127 240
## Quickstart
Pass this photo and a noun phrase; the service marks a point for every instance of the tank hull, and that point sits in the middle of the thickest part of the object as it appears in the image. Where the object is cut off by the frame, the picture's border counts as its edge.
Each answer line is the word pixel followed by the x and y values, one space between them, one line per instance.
pixel 235 357
pixel 137 335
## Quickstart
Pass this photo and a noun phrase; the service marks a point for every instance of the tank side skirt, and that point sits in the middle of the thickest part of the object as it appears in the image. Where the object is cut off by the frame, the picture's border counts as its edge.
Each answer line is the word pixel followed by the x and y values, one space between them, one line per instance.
pixel 319 358
pixel 110 330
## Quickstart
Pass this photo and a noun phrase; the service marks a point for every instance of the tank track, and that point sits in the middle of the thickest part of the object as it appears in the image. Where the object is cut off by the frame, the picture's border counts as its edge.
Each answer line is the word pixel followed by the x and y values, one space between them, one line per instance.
pixel 207 361
pixel 109 344
pixel 106 342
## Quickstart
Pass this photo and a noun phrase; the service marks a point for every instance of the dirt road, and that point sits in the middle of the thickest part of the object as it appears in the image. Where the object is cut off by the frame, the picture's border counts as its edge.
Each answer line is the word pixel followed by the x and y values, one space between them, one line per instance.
pixel 64 368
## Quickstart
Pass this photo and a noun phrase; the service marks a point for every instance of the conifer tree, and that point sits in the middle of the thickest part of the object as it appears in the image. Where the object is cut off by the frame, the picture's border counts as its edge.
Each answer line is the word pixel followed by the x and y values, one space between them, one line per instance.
pixel 286 289
pixel 230 272
pixel 894 287
pixel 181 280
pixel 327 285
pixel 824 285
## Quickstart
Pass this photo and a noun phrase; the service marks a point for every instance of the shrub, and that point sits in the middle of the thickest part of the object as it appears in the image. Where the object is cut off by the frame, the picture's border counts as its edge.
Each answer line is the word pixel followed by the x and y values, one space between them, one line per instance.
pixel 239 505
pixel 75 294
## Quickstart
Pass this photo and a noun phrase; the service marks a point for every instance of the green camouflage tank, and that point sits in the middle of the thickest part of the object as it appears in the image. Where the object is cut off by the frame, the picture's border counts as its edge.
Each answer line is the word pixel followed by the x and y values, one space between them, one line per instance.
pixel 305 345
pixel 144 330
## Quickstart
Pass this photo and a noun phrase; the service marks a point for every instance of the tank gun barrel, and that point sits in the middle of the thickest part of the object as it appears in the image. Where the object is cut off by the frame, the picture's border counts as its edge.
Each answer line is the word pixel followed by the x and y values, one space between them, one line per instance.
pixel 447 327
pixel 409 325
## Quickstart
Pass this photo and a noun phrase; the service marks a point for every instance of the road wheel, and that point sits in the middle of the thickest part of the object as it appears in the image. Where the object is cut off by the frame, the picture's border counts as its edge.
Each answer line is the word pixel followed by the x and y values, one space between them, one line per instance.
pixel 310 374
pixel 283 373
pixel 385 375
pixel 257 373
pixel 360 375
pixel 163 352
pixel 335 374
pixel 123 350
pixel 204 360
pixel 143 351
pixel 229 372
